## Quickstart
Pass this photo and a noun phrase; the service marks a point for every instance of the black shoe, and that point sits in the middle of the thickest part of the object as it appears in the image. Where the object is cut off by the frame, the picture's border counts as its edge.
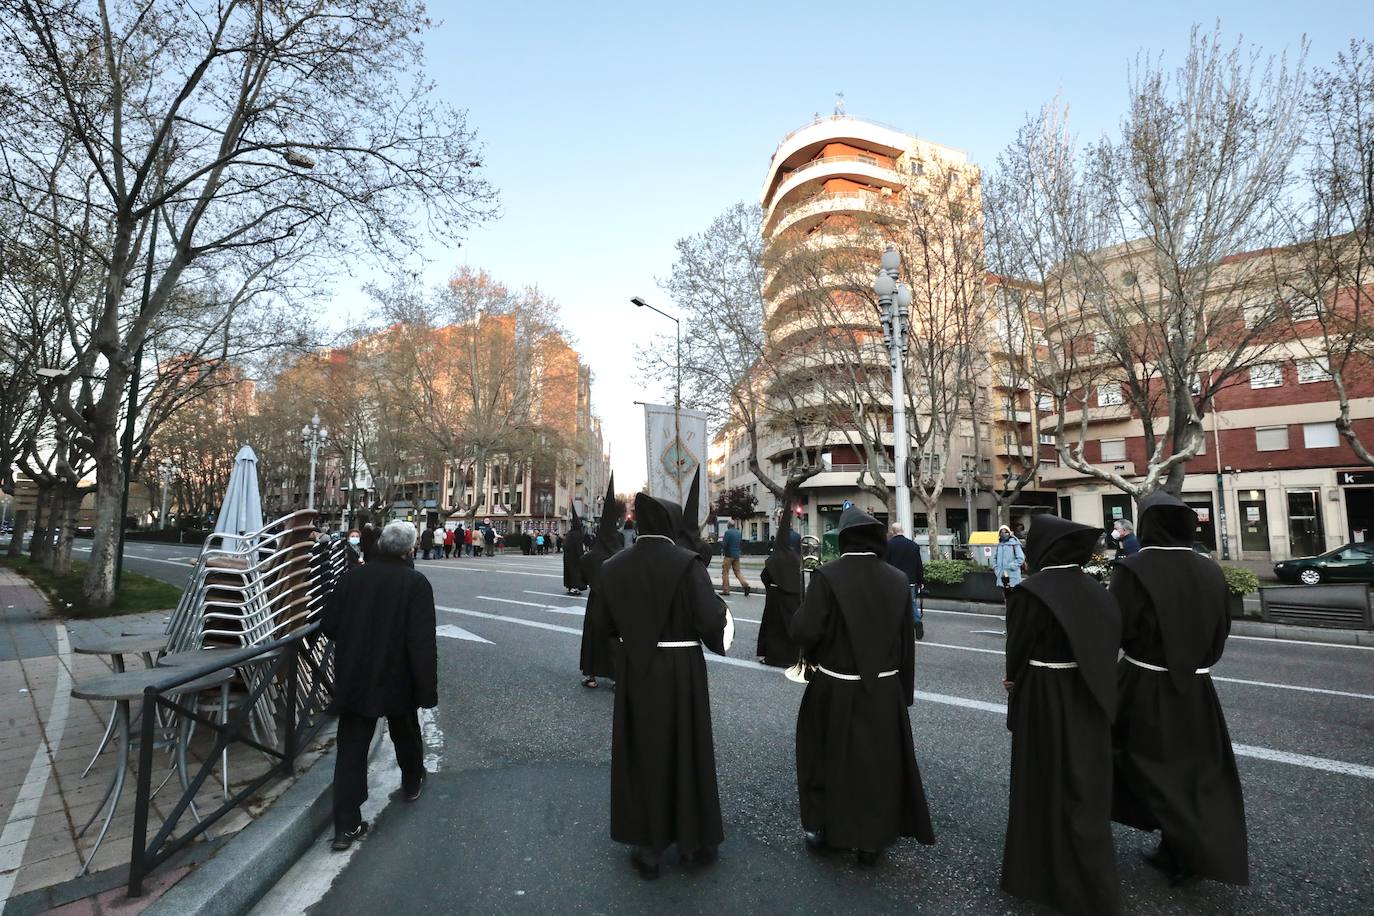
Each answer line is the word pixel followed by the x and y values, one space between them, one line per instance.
pixel 746 591
pixel 411 788
pixel 815 839
pixel 645 863
pixel 344 839
pixel 1159 858
pixel 866 858
pixel 705 856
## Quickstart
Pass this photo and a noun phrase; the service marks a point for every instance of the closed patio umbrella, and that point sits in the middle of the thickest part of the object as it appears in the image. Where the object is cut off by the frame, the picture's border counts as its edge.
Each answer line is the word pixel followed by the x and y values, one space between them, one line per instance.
pixel 241 511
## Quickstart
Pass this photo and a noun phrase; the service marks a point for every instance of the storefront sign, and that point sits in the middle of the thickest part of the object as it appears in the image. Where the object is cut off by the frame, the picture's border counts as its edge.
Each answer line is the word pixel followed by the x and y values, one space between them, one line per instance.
pixel 1354 478
pixel 1204 514
pixel 1252 513
pixel 1117 512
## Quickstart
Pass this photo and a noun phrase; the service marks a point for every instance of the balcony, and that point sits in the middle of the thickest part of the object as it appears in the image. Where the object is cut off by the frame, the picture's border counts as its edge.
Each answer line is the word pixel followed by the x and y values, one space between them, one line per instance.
pixel 823 204
pixel 860 168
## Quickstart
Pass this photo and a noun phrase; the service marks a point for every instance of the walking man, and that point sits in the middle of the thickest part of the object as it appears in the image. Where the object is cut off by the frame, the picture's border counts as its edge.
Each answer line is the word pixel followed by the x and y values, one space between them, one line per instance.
pixel 730 544
pixel 903 553
pixel 386 663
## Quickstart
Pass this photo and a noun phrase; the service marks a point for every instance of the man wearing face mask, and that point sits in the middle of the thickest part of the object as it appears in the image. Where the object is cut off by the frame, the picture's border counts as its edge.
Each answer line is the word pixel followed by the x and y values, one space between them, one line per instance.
pixel 1124 535
pixel 353 553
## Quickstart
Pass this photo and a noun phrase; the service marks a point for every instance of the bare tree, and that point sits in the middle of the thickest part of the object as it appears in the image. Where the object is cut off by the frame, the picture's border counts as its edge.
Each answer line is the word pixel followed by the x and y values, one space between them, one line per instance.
pixel 197 137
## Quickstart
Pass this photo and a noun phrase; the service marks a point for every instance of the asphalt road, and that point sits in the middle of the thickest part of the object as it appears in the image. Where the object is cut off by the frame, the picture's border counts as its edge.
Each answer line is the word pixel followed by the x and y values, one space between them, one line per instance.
pixel 515 819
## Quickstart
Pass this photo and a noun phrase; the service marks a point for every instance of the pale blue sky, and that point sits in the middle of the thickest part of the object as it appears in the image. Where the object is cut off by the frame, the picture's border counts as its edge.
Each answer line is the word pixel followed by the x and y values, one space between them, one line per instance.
pixel 612 129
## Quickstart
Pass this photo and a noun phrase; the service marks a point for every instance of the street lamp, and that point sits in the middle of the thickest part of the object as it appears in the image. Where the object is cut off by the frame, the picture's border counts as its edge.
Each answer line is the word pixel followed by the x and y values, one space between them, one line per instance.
pixel 894 299
pixel 677 395
pixel 166 470
pixel 313 436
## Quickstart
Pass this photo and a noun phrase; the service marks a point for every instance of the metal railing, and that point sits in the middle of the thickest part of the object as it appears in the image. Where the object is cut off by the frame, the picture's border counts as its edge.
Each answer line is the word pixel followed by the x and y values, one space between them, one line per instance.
pixel 301 668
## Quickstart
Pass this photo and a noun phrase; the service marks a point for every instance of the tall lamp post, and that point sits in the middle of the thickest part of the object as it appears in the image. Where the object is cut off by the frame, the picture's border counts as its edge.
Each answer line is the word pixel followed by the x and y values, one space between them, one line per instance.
pixel 167 470
pixel 313 436
pixel 677 395
pixel 894 299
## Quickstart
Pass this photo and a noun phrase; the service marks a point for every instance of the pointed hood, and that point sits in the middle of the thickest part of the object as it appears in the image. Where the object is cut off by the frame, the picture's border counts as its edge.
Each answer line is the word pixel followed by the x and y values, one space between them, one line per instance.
pixel 689 536
pixel 575 526
pixel 657 516
pixel 1082 607
pixel 1188 591
pixel 606 534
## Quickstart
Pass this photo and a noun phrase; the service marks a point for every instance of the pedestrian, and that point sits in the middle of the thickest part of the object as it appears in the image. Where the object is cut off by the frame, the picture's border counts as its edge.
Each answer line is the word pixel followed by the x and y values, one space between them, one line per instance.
pixel 386 664
pixel 627 533
pixel 489 540
pixel 597 656
pixel 353 550
pixel 526 544
pixel 1175 769
pixel 656 599
pixel 731 544
pixel 479 535
pixel 573 580
pixel 1008 558
pixel 367 541
pixel 426 542
pixel 1124 534
pixel 782 595
pixel 1063 631
pixel 539 544
pixel 448 543
pixel 467 540
pixel 857 778
pixel 903 553
pixel 558 541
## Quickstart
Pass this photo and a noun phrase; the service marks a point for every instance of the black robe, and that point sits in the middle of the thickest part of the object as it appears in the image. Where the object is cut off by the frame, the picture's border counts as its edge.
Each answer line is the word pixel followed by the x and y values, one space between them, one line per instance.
pixel 597 658
pixel 572 562
pixel 782 595
pixel 1175 769
pixel 857 776
pixel 663 768
pixel 1058 847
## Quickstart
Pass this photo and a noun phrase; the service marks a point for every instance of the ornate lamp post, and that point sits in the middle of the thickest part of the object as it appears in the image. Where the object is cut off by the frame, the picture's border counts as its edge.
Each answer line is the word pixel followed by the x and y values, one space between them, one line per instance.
pixel 313 436
pixel 166 470
pixel 894 299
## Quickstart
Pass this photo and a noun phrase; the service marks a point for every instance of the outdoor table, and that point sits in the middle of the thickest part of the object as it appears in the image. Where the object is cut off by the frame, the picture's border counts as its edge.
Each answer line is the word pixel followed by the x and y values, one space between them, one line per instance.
pixel 121 689
pixel 144 644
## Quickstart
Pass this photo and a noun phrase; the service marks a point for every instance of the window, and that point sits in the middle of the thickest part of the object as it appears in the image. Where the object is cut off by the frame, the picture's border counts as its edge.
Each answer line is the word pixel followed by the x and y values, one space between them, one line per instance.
pixel 1271 438
pixel 1195 385
pixel 1102 342
pixel 1047 438
pixel 1266 375
pixel 1305 310
pixel 1110 396
pixel 1317 369
pixel 1113 449
pixel 1044 403
pixel 917 168
pixel 1320 435
pixel 1049 463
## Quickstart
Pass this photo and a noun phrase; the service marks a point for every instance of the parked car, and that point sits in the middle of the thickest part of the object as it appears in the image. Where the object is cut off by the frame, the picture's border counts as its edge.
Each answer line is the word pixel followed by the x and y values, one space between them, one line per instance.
pixel 1351 563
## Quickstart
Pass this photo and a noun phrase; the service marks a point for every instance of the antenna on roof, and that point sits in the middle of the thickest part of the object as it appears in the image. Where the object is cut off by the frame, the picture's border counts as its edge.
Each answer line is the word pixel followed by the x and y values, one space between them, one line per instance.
pixel 839 104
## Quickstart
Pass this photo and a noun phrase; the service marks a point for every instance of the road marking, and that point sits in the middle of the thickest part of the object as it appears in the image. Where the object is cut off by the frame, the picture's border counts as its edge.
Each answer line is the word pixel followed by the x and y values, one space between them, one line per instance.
pixel 14 840
pixel 945 645
pixel 1334 693
pixel 133 556
pixel 936 610
pixel 556 595
pixel 488 569
pixel 1307 761
pixel 552 609
pixel 453 632
pixel 1304 642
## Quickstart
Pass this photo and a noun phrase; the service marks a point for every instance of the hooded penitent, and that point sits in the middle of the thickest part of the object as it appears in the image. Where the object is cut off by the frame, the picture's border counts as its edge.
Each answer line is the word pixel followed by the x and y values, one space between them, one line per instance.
pixel 657 603
pixel 598 653
pixel 572 555
pixel 689 535
pixel 782 583
pixel 1174 764
pixel 1063 631
pixel 857 777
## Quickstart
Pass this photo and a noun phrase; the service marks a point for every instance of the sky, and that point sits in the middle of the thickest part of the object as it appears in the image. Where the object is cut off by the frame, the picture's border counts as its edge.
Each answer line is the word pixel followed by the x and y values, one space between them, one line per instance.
pixel 611 129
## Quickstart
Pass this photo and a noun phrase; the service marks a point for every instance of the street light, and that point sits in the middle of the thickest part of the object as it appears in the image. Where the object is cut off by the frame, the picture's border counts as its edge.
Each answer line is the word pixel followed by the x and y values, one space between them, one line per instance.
pixel 677 395
pixel 167 470
pixel 894 299
pixel 313 437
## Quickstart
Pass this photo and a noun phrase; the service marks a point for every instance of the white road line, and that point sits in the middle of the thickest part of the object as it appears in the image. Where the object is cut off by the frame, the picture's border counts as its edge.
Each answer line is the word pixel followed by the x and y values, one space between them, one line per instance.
pixel 1303 642
pixel 488 570
pixel 133 556
pixel 1334 693
pixel 936 610
pixel 452 632
pixel 552 609
pixel 14 840
pixel 1307 761
pixel 557 595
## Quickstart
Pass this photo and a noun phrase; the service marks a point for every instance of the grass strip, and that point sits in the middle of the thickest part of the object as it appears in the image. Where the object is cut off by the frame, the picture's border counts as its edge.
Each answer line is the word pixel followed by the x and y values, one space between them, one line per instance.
pixel 137 594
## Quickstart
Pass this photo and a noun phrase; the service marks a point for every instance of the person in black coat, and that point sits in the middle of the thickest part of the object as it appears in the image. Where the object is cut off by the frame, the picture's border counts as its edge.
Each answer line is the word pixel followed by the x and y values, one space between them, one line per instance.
pixel 1063 630
pixel 573 580
pixel 1175 769
pixel 655 599
pixel 386 663
pixel 903 553
pixel 597 658
pixel 857 777
pixel 782 595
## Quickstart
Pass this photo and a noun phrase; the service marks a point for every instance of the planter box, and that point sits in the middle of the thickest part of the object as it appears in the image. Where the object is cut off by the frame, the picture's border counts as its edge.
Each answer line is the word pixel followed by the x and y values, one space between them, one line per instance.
pixel 979 586
pixel 1236 605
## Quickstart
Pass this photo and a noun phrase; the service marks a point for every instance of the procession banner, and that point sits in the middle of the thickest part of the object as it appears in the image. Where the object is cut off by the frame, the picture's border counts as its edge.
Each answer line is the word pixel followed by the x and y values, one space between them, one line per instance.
pixel 672 463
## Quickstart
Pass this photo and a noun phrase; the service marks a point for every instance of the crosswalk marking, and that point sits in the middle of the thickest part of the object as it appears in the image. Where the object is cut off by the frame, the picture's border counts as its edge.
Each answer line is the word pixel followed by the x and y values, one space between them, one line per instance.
pixel 453 632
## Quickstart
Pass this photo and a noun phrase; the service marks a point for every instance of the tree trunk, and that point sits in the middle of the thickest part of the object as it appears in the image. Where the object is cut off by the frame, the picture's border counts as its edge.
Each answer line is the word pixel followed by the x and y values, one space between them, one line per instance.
pixel 99 586
pixel 40 546
pixel 65 509
pixel 21 521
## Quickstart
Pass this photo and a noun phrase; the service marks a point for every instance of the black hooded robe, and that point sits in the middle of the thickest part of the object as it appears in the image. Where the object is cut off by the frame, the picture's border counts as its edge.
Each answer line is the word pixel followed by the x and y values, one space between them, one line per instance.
pixel 857 776
pixel 573 579
pixel 1174 766
pixel 1059 826
pixel 663 764
pixel 597 657
pixel 782 595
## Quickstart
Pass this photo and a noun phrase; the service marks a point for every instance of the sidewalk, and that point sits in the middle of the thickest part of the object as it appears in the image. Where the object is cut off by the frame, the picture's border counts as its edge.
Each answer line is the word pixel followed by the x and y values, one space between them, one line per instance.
pixel 48 740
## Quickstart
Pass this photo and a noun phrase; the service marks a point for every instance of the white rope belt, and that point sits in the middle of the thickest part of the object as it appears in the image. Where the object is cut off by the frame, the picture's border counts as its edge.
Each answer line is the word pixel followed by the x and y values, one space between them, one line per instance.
pixel 1149 667
pixel 1057 666
pixel 680 644
pixel 852 677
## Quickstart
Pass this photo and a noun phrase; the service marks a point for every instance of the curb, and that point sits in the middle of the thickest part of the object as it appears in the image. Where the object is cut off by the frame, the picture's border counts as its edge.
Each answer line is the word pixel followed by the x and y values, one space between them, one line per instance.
pixel 1256 628
pixel 256 857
